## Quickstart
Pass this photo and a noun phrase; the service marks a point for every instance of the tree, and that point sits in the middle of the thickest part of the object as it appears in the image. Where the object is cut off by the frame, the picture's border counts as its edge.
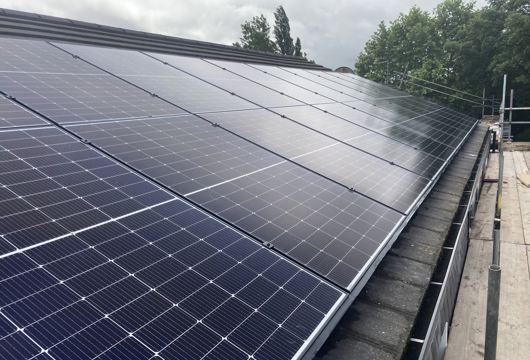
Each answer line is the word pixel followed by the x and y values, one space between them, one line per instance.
pixel 282 32
pixel 457 46
pixel 298 48
pixel 255 35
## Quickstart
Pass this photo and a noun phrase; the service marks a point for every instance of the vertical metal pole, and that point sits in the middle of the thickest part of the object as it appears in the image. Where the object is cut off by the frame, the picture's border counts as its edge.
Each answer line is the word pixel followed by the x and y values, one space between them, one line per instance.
pixel 483 101
pixel 492 104
pixel 510 116
pixel 492 315
pixel 494 271
pixel 501 152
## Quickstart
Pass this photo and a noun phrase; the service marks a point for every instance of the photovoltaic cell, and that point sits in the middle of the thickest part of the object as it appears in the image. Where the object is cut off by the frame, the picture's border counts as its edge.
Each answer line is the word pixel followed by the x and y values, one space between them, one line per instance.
pixel 67 89
pixel 78 98
pixel 228 81
pixel 271 202
pixel 167 280
pixel 333 85
pixel 371 176
pixel 316 222
pixel 185 153
pixel 38 56
pixel 98 262
pixel 373 143
pixel 52 185
pixel 400 132
pixel 13 115
pixel 330 94
pixel 282 86
pixel 165 81
pixel 371 88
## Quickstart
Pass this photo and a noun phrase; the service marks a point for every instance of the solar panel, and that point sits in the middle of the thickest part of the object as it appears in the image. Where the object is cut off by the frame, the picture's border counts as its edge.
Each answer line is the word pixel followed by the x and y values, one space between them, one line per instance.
pixel 309 77
pixel 53 184
pixel 271 82
pixel 67 89
pixel 235 234
pixel 167 82
pixel 333 231
pixel 166 281
pixel 14 115
pixel 369 175
pixel 404 133
pixel 120 266
pixel 330 94
pixel 228 81
pixel 384 147
pixel 279 203
pixel 185 153
pixel 373 89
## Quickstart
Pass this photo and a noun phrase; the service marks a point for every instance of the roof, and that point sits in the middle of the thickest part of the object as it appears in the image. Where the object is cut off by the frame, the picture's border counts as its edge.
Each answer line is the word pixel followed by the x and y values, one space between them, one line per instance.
pixel 28 25
pixel 380 322
pixel 254 201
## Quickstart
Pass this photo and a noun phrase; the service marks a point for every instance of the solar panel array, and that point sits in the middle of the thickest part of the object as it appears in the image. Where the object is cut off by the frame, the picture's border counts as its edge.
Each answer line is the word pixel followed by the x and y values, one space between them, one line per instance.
pixel 172 207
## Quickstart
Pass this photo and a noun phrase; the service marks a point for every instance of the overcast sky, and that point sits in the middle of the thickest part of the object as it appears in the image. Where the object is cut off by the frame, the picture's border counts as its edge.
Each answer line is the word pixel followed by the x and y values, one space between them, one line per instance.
pixel 332 32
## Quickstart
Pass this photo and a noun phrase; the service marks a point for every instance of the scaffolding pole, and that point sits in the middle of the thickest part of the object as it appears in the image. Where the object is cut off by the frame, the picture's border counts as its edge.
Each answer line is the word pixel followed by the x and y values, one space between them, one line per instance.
pixel 494 272
pixel 510 116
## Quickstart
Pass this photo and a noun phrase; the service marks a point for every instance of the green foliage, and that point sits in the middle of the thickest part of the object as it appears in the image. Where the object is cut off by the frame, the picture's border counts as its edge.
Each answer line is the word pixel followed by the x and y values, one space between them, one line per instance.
pixel 255 35
pixel 456 46
pixel 282 32
pixel 298 48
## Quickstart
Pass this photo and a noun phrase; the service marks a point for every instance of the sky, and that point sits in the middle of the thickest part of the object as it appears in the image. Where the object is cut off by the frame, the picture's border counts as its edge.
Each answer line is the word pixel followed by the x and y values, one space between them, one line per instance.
pixel 333 32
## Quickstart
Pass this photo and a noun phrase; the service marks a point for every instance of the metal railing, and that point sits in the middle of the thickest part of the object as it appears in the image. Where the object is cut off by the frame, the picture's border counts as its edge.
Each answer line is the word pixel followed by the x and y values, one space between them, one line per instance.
pixel 435 342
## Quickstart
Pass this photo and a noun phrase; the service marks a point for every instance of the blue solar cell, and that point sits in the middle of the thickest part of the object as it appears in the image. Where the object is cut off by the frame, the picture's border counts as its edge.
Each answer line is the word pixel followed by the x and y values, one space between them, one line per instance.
pixel 137 293
pixel 18 346
pixel 66 193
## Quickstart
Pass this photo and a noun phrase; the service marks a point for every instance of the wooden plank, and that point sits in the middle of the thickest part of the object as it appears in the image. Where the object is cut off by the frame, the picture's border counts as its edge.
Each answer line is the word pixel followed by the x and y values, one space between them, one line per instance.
pixel 466 340
pixel 466 337
pixel 524 179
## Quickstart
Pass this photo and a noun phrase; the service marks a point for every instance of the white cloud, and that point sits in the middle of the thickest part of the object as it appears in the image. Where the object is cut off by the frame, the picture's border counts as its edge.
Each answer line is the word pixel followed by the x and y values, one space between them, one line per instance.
pixel 332 32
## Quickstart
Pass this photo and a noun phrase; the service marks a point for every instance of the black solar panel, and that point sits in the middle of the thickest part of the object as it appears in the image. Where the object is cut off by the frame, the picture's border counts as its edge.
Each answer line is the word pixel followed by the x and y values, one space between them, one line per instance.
pixel 384 147
pixel 185 153
pixel 318 223
pixel 13 115
pixel 169 83
pixel 282 86
pixel 67 89
pixel 323 82
pixel 332 79
pixel 369 175
pixel 261 220
pixel 112 264
pixel 268 202
pixel 228 81
pixel 333 95
pixel 404 133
